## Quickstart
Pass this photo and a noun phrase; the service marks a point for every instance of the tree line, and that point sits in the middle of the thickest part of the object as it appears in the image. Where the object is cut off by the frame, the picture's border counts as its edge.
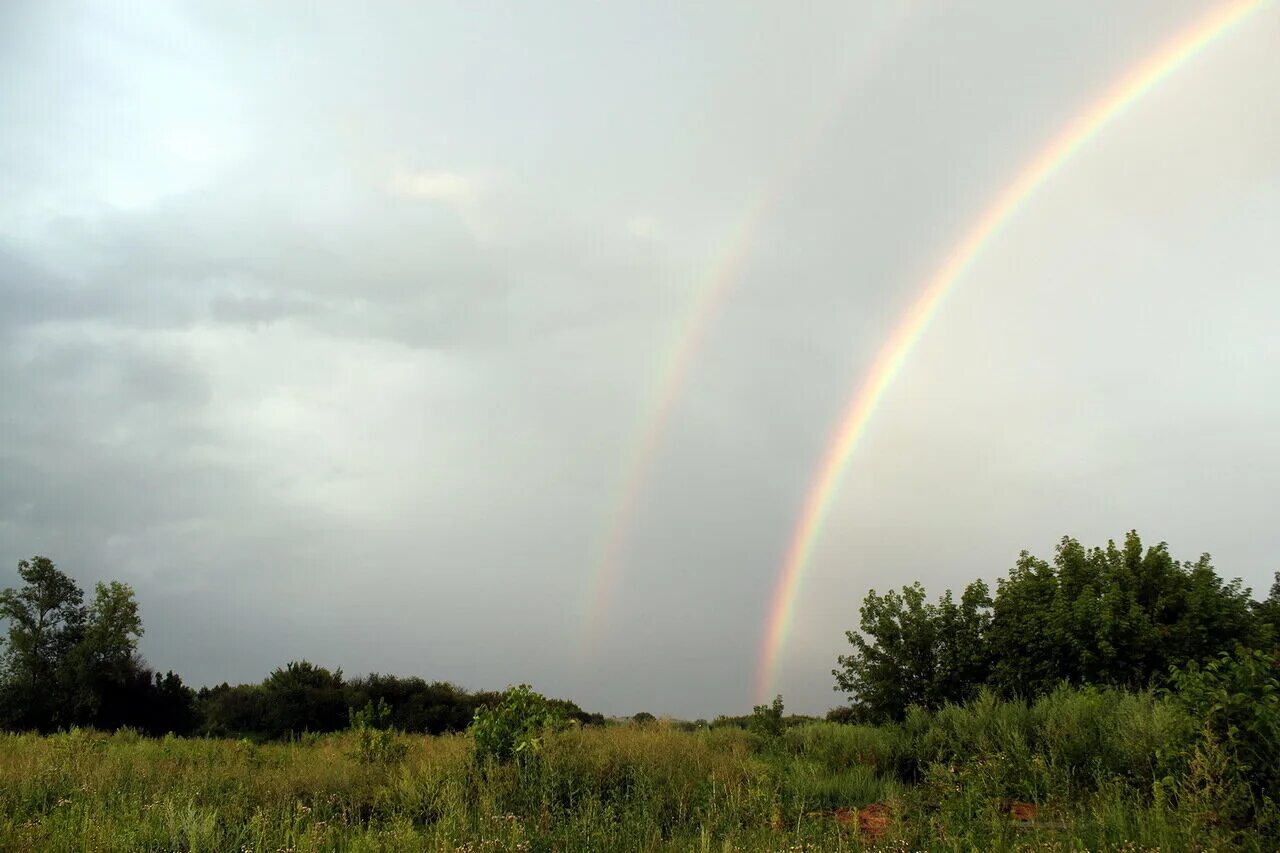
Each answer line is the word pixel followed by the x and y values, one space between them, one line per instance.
pixel 66 663
pixel 1117 616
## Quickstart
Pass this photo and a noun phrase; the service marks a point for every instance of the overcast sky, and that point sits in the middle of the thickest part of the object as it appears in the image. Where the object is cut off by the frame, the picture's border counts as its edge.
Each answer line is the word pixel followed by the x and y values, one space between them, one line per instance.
pixel 330 328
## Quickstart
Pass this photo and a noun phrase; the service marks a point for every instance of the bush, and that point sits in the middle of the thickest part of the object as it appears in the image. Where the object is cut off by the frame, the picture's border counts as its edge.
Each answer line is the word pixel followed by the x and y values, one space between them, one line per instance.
pixel 375 739
pixel 850 715
pixel 766 720
pixel 1237 698
pixel 514 726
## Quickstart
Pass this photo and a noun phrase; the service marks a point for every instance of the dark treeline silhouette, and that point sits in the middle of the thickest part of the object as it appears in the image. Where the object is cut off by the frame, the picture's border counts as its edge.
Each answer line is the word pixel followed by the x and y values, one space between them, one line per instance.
pixel 64 663
pixel 302 697
pixel 1118 616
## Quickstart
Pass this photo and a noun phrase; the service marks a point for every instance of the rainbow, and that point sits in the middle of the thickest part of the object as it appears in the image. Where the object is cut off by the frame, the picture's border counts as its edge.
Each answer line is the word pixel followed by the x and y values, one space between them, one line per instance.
pixel 710 294
pixel 671 381
pixel 1127 91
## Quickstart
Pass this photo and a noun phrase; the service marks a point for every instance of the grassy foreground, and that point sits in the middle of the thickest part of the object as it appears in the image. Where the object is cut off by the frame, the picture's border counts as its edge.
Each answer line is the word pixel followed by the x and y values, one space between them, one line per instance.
pixel 1095 764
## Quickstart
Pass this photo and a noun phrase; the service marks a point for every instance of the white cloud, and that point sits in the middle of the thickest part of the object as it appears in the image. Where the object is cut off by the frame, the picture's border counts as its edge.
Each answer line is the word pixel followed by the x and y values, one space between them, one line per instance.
pixel 644 227
pixel 449 187
pixel 460 192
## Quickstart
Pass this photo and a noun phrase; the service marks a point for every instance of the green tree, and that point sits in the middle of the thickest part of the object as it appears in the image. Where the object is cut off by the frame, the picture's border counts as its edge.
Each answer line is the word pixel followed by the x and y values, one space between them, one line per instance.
pixel 46 618
pixel 302 697
pixel 1024 648
pixel 766 720
pixel 912 652
pixel 113 627
pixel 105 660
pixel 1268 616
pixel 1120 616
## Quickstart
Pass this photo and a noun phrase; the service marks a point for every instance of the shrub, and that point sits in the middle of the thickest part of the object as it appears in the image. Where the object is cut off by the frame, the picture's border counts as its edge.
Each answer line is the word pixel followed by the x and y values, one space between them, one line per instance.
pixel 1237 698
pixel 766 720
pixel 514 726
pixel 375 740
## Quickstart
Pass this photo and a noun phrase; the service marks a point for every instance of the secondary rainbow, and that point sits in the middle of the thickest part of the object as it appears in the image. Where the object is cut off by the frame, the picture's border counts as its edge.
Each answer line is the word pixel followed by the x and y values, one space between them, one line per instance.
pixel 710 294
pixel 670 382
pixel 1128 90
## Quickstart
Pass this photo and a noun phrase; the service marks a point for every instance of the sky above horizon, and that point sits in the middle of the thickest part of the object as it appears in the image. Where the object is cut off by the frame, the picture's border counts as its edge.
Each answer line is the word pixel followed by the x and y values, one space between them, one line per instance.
pixel 334 330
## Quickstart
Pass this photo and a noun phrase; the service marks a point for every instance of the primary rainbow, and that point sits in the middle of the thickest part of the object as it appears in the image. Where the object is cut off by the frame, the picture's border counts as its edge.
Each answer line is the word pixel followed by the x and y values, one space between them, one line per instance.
pixel 1130 88
pixel 710 293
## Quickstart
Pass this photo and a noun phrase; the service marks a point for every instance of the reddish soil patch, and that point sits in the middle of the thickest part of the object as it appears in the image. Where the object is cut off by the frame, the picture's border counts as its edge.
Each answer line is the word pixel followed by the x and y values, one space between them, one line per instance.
pixel 1022 811
pixel 873 821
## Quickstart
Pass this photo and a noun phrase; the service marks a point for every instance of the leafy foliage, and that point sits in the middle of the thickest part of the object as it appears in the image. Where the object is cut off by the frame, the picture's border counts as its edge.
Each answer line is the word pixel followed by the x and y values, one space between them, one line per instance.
pixel 515 726
pixel 766 720
pixel 67 664
pixel 1236 699
pixel 375 740
pixel 920 653
pixel 1117 616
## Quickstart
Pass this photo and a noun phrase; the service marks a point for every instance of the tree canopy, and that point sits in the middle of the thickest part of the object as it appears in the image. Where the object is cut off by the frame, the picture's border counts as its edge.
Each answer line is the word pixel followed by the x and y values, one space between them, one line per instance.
pixel 1118 615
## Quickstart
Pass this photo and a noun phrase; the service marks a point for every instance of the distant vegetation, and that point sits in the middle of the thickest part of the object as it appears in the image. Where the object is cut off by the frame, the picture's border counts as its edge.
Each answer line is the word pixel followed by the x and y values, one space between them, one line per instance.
pixel 1114 699
pixel 1118 616
pixel 64 663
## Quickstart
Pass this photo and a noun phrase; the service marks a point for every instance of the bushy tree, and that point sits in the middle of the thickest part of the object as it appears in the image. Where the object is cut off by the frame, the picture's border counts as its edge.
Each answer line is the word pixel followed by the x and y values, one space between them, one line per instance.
pixel 515 726
pixel 766 720
pixel 67 664
pixel 103 668
pixel 912 652
pixel 45 620
pixel 1118 616
pixel 1268 615
pixel 302 697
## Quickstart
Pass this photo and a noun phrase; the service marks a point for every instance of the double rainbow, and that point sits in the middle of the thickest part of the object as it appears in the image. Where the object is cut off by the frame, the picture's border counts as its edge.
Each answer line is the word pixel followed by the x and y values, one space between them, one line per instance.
pixel 867 395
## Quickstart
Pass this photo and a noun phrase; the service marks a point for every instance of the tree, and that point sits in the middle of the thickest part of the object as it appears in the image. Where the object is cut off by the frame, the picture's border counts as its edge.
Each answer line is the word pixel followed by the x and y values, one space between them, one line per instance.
pixel 1118 616
pixel 302 697
pixel 911 652
pixel 1025 652
pixel 46 619
pixel 766 720
pixel 1268 615
pixel 104 664
pixel 65 664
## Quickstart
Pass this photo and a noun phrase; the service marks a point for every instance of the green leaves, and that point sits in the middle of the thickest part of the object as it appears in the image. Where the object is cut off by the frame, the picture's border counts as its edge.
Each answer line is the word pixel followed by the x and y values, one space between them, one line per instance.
pixel 1236 696
pixel 766 720
pixel 911 652
pixel 71 665
pixel 514 726
pixel 1118 616
pixel 375 739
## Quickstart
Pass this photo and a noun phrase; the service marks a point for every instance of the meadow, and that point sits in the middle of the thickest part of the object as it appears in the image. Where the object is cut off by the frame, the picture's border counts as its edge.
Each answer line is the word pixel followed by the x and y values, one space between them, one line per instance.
pixel 1078 769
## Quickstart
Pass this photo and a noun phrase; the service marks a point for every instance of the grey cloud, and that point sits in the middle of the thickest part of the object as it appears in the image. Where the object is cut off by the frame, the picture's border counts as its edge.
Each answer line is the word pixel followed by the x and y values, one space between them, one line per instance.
pixel 337 337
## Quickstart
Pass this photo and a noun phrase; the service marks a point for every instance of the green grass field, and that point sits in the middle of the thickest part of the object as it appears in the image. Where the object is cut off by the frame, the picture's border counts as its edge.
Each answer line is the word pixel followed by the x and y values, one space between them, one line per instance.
pixel 1095 764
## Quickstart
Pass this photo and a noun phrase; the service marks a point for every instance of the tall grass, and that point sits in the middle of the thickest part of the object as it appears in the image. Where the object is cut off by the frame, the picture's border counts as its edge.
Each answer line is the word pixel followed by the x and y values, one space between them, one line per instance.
pixel 1102 767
